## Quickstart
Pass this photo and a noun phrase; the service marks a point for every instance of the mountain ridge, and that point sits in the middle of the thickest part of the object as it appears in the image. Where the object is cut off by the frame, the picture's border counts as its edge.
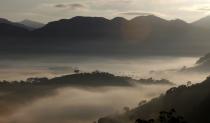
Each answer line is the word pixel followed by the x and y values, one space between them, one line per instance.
pixel 203 22
pixel 6 21
pixel 142 34
pixel 32 24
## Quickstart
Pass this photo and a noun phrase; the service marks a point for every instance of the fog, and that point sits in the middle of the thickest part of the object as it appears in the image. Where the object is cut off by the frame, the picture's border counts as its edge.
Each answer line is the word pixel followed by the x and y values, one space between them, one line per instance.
pixel 86 105
pixel 82 105
pixel 143 67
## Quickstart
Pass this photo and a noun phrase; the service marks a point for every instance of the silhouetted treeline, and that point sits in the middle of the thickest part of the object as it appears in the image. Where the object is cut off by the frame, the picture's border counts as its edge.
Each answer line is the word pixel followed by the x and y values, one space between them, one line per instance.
pixel 14 94
pixel 153 81
pixel 170 116
pixel 191 101
pixel 165 117
pixel 95 78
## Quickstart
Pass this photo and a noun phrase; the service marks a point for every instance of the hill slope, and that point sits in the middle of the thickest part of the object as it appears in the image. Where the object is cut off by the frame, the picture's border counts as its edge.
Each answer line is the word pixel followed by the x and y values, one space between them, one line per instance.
pixel 203 22
pixel 192 102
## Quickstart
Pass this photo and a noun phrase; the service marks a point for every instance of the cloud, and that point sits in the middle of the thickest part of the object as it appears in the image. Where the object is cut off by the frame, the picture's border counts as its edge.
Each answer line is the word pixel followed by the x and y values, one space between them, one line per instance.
pixel 15 95
pixel 72 6
pixel 61 69
pixel 197 8
pixel 83 105
pixel 135 13
pixel 60 6
pixel 204 9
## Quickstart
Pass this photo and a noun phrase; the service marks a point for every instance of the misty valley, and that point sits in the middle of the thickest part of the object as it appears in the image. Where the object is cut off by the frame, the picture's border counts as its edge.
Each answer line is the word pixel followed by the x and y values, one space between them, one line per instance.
pixel 88 69
pixel 80 89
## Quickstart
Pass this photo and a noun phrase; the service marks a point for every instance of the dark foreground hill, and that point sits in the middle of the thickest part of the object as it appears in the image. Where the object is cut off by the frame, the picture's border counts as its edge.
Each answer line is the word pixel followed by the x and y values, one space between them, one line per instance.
pixel 191 102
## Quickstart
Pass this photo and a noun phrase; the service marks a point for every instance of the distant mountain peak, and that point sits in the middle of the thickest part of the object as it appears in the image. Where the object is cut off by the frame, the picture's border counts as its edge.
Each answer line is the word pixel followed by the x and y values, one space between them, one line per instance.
pixel 148 18
pixel 203 22
pixel 204 18
pixel 27 21
pixel 86 17
pixel 8 22
pixel 178 21
pixel 119 19
pixel 32 24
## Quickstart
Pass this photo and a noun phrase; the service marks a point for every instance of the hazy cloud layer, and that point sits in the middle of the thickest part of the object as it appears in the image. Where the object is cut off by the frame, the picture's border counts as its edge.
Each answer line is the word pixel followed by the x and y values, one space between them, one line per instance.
pixel 135 13
pixel 73 6
pixel 37 10
pixel 79 105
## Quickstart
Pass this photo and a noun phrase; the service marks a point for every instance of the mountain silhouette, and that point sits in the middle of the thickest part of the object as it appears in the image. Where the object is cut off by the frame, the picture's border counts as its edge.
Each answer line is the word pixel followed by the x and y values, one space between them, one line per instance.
pixel 202 65
pixel 7 30
pixel 203 22
pixel 118 35
pixel 139 28
pixel 191 101
pixel 80 28
pixel 141 35
pixel 32 24
pixel 5 21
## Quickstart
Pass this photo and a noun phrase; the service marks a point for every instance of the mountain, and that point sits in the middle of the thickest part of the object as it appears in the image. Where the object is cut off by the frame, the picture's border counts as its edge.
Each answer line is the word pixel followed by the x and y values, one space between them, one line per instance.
pixel 203 22
pixel 119 20
pixel 201 65
pixel 5 21
pixel 79 28
pixel 143 35
pixel 139 28
pixel 32 24
pixel 191 102
pixel 89 35
pixel 148 30
pixel 7 30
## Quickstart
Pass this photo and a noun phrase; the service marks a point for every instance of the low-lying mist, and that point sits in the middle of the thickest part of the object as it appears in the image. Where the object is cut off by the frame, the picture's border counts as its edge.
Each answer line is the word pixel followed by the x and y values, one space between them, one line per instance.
pixel 68 104
pixel 81 105
pixel 142 67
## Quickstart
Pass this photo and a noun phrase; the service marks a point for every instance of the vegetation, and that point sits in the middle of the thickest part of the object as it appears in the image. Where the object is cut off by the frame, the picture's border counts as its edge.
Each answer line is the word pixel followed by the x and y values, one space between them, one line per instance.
pixel 191 101
pixel 95 78
pixel 165 117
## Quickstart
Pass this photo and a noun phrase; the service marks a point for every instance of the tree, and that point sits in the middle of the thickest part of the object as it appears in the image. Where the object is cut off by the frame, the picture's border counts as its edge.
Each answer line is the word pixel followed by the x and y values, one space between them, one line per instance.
pixel 189 83
pixel 76 71
pixel 165 117
pixel 142 102
pixel 126 109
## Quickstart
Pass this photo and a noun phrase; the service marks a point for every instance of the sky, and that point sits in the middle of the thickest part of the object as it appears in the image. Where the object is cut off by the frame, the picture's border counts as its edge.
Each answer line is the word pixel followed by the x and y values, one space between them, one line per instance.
pixel 50 10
